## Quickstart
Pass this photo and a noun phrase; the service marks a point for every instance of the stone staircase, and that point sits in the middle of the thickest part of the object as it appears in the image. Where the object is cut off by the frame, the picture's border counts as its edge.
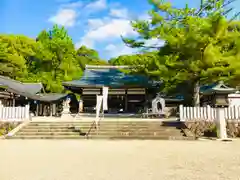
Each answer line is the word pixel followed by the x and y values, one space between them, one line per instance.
pixel 107 130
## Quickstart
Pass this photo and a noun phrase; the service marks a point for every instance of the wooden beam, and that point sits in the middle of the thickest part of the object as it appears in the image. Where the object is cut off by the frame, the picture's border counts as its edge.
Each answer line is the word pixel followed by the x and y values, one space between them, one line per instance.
pixel 126 101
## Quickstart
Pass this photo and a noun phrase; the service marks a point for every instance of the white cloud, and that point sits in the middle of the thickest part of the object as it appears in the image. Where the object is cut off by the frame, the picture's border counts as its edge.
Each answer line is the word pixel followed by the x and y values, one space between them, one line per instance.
pixel 95 23
pixel 72 5
pixel 64 17
pixel 68 11
pixel 115 50
pixel 86 42
pixel 111 47
pixel 144 16
pixel 119 13
pixel 112 29
pixel 96 6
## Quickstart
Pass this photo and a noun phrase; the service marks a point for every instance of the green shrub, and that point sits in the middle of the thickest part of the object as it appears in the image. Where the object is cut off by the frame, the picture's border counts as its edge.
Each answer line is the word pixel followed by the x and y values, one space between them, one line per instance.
pixel 6 127
pixel 212 131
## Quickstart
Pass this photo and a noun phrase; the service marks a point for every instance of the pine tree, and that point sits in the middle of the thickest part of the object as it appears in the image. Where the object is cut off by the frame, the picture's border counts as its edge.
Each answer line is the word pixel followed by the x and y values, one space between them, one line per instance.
pixel 196 43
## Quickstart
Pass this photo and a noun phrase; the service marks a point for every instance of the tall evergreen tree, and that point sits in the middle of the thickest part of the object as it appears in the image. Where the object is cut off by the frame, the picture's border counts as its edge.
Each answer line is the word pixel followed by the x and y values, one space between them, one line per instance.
pixel 196 43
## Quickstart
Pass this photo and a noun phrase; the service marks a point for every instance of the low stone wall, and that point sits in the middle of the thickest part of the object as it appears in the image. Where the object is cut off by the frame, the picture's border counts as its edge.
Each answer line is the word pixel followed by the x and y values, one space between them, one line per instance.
pixel 170 111
pixel 202 128
pixel 233 129
pixel 6 127
pixel 209 129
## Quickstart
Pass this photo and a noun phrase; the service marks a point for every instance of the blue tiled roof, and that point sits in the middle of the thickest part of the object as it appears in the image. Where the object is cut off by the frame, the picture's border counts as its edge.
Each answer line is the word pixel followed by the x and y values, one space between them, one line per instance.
pixel 109 77
pixel 216 87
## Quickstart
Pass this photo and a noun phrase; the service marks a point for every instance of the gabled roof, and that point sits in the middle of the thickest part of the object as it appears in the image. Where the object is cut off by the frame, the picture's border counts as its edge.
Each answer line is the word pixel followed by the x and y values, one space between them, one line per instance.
pixel 110 77
pixel 31 88
pixel 216 88
pixel 28 90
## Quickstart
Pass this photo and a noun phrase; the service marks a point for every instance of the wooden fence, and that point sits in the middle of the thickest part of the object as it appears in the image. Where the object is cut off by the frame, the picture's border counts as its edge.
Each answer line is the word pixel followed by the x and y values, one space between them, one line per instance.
pixel 207 113
pixel 14 113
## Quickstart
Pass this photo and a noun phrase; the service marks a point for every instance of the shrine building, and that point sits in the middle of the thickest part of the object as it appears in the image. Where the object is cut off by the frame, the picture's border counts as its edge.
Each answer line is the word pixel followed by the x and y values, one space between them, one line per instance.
pixel 127 92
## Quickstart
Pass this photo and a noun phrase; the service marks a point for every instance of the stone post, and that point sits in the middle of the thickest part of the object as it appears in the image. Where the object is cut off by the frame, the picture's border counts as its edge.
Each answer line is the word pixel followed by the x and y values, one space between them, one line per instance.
pixel 221 124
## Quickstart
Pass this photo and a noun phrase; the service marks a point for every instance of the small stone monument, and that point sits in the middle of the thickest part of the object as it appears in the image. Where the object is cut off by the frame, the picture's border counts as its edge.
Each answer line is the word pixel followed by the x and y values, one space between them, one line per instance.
pixel 66 109
pixel 155 102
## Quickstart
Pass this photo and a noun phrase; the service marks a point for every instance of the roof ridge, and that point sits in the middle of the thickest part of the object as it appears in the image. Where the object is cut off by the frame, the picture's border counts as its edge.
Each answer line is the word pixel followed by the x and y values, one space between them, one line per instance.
pixel 31 83
pixel 106 66
pixel 8 78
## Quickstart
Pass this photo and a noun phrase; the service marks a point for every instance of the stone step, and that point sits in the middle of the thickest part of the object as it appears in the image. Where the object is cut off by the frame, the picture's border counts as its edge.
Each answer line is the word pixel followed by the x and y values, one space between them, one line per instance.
pixel 46 137
pixel 107 130
pixel 101 121
pixel 89 125
pixel 47 133
pixel 47 130
pixel 27 129
pixel 105 122
pixel 103 133
pixel 101 125
pixel 105 137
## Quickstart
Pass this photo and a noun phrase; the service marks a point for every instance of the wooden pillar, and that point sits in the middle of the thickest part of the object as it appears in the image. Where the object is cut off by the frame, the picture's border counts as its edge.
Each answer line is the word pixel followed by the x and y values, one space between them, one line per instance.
pixel 13 100
pixel 80 106
pixel 13 103
pixel 126 101
pixel 51 109
pixel 44 109
pixel 41 109
pixel 54 109
pixel 146 101
pixel 37 109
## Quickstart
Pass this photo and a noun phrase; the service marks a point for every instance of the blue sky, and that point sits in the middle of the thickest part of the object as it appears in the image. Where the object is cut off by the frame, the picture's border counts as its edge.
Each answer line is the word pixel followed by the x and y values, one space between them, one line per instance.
pixel 97 24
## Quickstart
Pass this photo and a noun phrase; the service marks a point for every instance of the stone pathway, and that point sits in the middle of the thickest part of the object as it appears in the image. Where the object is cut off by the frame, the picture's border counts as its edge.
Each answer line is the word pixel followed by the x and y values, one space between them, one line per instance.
pixel 119 160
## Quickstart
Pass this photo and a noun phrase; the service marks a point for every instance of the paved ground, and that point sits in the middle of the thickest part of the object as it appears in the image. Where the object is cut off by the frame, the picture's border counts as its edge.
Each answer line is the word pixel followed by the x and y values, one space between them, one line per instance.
pixel 119 160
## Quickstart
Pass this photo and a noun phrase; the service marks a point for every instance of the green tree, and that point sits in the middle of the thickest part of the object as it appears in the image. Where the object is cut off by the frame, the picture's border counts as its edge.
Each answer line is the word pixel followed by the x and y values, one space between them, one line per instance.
pixel 50 59
pixel 15 53
pixel 140 63
pixel 197 42
pixel 57 59
pixel 88 56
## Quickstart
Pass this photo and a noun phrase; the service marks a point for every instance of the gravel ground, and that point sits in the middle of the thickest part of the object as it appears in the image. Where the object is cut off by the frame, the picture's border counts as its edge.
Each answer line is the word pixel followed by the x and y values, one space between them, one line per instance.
pixel 119 160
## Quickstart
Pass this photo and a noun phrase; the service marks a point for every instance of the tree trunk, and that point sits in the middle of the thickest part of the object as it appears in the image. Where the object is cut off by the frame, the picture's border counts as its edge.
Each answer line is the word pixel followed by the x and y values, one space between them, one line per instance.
pixel 196 94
